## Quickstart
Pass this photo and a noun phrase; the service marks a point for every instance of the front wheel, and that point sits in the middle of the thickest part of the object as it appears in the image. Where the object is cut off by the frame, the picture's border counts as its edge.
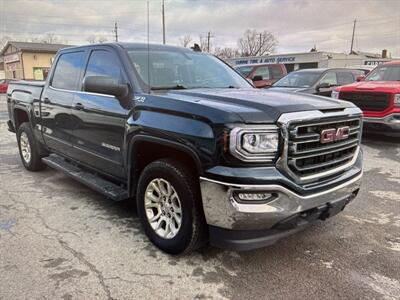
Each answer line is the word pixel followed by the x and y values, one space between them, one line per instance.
pixel 27 148
pixel 169 207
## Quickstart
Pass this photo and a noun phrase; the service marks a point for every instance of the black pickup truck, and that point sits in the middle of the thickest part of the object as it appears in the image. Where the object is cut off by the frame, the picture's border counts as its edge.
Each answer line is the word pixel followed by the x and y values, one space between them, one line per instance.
pixel 204 155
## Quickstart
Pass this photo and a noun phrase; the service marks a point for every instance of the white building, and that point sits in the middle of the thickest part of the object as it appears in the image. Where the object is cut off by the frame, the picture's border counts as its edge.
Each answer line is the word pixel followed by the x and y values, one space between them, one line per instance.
pixel 309 60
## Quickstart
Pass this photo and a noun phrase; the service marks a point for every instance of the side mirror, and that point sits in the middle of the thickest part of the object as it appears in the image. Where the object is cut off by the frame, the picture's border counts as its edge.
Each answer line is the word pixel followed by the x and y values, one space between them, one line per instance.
pixel 323 85
pixel 257 78
pixel 360 78
pixel 105 85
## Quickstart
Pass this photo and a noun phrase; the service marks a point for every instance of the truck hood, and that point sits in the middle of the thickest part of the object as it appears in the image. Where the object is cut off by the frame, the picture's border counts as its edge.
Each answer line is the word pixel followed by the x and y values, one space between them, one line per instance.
pixel 373 86
pixel 257 105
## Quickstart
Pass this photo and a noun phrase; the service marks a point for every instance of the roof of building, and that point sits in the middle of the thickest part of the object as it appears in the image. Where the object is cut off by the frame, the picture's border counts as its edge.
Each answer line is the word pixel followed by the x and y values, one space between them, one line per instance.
pixel 36 47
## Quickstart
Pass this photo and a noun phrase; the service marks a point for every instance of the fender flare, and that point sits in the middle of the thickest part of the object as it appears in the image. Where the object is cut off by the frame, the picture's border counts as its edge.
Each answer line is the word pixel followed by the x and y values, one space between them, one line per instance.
pixel 132 180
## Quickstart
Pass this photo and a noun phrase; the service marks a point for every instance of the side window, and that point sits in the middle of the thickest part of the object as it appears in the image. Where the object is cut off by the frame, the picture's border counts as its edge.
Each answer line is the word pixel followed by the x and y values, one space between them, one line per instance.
pixel 345 78
pixel 263 72
pixel 104 63
pixel 329 78
pixel 276 72
pixel 67 71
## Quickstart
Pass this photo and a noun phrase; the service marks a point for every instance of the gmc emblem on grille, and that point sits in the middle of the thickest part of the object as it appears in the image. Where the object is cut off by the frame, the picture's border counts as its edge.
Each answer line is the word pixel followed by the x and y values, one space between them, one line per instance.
pixel 333 134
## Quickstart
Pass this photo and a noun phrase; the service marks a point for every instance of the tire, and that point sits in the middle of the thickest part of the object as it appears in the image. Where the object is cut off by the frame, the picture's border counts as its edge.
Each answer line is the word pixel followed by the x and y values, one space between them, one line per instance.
pixel 28 148
pixel 191 233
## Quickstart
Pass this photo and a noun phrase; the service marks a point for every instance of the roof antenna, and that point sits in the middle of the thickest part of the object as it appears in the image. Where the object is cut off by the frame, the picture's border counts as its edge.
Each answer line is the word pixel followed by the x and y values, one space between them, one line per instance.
pixel 148 47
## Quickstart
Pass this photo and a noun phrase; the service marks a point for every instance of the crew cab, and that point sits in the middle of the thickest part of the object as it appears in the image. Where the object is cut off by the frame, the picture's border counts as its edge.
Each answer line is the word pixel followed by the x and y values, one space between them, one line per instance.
pixel 203 155
pixel 262 75
pixel 317 81
pixel 378 96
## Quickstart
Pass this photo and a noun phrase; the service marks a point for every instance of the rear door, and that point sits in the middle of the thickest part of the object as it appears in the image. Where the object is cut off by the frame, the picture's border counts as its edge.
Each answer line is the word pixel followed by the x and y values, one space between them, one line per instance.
pixel 98 135
pixel 56 101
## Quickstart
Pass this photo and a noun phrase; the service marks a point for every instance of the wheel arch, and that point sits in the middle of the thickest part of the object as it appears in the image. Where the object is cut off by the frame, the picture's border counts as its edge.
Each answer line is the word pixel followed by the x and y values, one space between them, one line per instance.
pixel 140 155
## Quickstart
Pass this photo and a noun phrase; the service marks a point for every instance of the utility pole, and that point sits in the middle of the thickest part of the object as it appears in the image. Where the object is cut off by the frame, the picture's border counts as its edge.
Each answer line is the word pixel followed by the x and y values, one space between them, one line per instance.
pixel 163 21
pixel 208 41
pixel 116 31
pixel 352 37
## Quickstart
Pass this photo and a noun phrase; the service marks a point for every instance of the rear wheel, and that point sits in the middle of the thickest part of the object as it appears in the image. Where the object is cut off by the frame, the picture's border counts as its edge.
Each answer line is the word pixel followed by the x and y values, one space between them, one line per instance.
pixel 28 149
pixel 169 207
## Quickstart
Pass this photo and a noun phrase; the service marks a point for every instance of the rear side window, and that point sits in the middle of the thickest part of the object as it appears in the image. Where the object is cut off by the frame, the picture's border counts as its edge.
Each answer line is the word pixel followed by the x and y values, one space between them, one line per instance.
pixel 68 68
pixel 263 72
pixel 104 63
pixel 345 78
pixel 329 78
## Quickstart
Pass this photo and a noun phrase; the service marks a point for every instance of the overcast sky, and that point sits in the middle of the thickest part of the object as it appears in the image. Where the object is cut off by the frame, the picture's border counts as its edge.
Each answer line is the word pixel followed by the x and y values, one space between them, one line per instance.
pixel 297 24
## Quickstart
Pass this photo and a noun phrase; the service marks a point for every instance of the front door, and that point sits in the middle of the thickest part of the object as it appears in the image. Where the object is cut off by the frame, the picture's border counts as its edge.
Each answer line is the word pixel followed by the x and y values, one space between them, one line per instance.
pixel 98 134
pixel 56 102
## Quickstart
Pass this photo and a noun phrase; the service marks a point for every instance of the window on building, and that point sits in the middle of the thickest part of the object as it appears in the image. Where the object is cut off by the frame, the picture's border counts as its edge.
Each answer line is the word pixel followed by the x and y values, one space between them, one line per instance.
pixel 104 63
pixel 263 72
pixel 67 71
pixel 40 73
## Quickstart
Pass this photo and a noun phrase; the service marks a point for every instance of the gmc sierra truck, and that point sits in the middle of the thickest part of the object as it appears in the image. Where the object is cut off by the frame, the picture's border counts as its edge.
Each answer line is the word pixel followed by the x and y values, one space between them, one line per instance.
pixel 378 96
pixel 205 156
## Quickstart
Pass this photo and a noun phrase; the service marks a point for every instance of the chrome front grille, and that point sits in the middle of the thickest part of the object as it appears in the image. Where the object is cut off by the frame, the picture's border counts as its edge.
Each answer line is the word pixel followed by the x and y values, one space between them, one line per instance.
pixel 306 158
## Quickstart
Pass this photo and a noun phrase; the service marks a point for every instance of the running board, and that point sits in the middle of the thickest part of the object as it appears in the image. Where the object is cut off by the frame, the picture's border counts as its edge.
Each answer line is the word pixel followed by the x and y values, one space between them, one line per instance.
pixel 101 185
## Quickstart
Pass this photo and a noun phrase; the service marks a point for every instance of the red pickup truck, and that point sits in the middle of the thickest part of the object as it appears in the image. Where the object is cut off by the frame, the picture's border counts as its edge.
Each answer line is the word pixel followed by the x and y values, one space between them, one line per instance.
pixel 262 75
pixel 378 96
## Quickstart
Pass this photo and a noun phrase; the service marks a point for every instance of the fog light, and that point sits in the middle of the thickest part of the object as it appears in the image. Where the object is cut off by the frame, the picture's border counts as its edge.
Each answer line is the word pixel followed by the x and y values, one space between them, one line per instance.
pixel 253 197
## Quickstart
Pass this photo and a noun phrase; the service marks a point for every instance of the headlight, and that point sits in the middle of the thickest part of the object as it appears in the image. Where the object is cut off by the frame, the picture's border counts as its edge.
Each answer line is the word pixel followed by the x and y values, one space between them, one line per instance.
pixel 335 94
pixel 258 143
pixel 397 100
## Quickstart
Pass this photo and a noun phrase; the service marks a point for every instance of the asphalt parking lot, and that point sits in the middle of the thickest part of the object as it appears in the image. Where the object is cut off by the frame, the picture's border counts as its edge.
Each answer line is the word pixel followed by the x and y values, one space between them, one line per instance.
pixel 61 240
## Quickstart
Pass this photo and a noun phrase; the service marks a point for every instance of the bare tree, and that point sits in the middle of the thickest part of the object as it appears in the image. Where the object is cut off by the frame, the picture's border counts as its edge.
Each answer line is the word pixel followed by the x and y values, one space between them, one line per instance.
pixel 185 40
pixel 50 38
pixel 204 44
pixel 93 39
pixel 254 43
pixel 226 52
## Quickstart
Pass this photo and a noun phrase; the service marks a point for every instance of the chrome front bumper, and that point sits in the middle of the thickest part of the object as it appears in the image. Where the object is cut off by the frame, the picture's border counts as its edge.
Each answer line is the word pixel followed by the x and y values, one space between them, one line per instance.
pixel 392 121
pixel 222 210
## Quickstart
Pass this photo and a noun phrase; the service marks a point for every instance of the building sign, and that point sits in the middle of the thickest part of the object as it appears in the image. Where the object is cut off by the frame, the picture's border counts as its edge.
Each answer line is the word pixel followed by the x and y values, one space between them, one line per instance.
pixel 12 66
pixel 267 60
pixel 11 58
pixel 373 62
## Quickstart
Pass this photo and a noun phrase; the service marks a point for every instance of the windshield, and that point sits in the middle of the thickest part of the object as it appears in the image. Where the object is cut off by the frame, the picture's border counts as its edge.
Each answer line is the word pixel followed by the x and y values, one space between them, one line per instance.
pixel 298 79
pixel 385 73
pixel 245 71
pixel 184 70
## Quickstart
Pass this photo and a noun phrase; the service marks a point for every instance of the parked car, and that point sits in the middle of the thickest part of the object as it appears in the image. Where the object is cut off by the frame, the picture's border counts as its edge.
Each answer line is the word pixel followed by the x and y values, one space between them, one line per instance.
pixel 378 96
pixel 4 85
pixel 203 154
pixel 262 75
pixel 316 81
pixel 365 68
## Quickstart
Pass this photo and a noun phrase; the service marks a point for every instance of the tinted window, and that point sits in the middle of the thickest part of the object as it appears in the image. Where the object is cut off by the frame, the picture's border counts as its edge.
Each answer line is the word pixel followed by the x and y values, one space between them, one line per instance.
pixel 67 71
pixel 345 78
pixel 245 70
pixel 276 72
pixel 385 73
pixel 172 69
pixel 329 78
pixel 104 63
pixel 299 79
pixel 263 72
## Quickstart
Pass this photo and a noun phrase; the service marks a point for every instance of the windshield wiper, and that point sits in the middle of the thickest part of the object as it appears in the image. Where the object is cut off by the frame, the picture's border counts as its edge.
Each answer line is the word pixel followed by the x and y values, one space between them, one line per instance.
pixel 174 87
